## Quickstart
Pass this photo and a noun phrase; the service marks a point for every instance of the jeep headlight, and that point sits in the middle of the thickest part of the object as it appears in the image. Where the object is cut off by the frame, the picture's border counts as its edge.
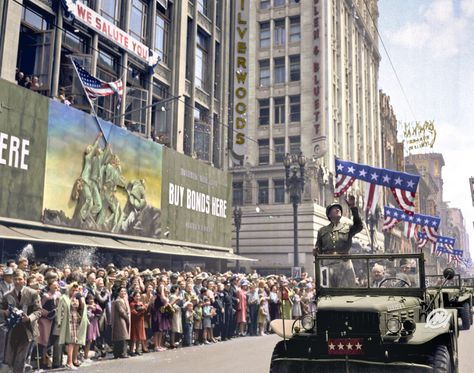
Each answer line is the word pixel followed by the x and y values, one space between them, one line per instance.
pixel 307 322
pixel 394 325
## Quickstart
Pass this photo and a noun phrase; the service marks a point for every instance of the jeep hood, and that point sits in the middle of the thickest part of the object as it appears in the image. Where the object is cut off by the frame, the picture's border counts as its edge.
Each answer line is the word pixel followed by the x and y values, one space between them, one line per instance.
pixel 367 303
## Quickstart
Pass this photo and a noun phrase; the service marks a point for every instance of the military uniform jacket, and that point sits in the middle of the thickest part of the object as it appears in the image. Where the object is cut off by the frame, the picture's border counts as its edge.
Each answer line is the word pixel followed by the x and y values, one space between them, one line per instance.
pixel 338 238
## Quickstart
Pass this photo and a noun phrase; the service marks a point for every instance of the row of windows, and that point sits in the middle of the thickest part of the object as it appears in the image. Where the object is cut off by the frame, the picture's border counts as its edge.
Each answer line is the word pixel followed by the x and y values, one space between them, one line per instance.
pixel 266 4
pixel 279 112
pixel 279 70
pixel 278 149
pixel 279 32
pixel 263 192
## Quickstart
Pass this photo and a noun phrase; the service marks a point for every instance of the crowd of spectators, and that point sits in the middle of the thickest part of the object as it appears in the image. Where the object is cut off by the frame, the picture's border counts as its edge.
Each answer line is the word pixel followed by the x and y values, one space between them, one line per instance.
pixel 31 82
pixel 89 312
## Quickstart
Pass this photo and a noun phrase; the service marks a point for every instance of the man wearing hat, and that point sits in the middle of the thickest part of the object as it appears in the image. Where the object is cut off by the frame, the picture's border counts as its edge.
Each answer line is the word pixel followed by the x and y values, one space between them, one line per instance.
pixel 336 238
pixel 6 284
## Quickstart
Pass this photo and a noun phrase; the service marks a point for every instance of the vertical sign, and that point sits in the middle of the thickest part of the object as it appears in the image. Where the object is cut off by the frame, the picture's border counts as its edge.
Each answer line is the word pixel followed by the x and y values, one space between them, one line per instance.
pixel 316 70
pixel 241 84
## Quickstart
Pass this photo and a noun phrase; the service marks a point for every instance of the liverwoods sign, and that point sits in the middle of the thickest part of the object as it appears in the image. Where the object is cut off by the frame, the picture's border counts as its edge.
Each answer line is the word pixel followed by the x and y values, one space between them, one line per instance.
pixel 99 24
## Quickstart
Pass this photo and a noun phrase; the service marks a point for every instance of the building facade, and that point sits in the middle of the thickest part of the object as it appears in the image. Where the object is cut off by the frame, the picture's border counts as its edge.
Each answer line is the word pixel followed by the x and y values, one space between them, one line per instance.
pixel 182 102
pixel 313 74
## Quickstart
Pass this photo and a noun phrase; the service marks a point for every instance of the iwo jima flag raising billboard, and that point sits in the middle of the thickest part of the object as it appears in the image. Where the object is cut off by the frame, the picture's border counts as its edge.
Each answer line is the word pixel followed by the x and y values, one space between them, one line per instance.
pixel 112 186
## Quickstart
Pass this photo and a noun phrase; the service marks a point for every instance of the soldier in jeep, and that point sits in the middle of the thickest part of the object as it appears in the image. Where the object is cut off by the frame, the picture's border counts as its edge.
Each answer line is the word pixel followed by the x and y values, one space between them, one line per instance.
pixel 336 238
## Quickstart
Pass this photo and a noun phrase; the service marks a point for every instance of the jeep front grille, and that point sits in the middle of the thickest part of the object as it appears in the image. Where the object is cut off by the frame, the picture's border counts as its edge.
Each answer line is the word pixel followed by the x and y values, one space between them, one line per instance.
pixel 352 323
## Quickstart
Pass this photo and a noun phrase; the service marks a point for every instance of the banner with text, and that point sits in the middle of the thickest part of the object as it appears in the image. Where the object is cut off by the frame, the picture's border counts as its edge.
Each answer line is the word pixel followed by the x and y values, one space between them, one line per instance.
pixel 198 201
pixel 23 136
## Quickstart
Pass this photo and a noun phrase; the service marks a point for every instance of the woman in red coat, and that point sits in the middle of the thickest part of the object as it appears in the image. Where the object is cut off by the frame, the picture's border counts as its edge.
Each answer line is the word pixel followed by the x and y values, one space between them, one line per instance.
pixel 137 330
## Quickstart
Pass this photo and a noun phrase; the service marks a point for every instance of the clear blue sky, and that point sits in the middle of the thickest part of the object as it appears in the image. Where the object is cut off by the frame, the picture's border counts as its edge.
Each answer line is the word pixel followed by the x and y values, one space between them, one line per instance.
pixel 431 45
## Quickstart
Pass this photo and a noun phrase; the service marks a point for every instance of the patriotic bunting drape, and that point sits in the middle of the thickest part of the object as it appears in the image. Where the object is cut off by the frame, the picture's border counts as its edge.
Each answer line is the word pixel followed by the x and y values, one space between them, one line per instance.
pixel 402 184
pixel 415 225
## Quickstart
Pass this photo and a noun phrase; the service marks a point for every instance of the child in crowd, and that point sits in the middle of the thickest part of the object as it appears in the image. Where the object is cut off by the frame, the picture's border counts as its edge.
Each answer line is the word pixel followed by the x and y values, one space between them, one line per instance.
pixel 262 315
pixel 93 314
pixel 198 323
pixel 188 323
pixel 206 320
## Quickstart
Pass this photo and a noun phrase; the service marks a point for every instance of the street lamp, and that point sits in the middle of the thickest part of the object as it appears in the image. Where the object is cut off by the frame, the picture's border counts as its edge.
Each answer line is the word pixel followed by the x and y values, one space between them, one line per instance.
pixel 237 223
pixel 294 186
pixel 372 220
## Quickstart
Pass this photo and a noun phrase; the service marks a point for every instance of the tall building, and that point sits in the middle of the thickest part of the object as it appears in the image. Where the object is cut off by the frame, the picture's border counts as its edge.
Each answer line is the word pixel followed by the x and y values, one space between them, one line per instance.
pixel 313 74
pixel 115 39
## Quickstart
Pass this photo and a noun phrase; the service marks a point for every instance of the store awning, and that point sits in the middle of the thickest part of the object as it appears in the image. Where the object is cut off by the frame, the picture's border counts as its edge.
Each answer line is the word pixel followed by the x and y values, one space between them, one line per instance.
pixel 41 235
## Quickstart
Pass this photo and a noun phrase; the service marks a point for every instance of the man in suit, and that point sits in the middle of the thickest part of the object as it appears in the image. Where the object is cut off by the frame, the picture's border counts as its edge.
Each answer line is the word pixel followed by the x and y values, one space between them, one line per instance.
pixel 21 335
pixel 378 275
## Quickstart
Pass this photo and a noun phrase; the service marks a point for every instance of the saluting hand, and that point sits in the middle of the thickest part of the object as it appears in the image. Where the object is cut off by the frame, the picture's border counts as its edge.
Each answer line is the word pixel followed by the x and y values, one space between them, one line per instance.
pixel 350 200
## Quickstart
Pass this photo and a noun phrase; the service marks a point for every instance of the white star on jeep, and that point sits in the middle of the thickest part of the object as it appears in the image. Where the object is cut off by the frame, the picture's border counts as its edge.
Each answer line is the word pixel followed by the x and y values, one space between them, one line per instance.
pixel 340 346
pixel 340 167
pixel 349 346
pixel 374 176
pixel 332 346
pixel 351 169
pixel 398 181
pixel 362 173
pixel 410 184
pixel 385 179
pixel 358 346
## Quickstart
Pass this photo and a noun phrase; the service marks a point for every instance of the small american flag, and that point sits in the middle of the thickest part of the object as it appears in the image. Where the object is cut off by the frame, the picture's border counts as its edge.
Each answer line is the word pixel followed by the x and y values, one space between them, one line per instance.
pixel 95 87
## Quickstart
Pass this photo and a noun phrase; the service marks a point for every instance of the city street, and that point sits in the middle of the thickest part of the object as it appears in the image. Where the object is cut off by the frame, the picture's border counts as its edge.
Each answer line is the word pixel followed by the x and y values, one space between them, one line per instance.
pixel 240 355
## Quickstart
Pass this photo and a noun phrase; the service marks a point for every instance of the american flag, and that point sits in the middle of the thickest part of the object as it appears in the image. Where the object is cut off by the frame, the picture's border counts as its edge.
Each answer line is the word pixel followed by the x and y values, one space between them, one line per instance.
pixel 445 242
pixel 95 87
pixel 402 185
pixel 429 223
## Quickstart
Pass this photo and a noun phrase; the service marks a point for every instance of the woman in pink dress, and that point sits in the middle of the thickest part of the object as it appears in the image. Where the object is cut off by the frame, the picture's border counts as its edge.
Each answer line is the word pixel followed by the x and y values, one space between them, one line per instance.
pixel 242 307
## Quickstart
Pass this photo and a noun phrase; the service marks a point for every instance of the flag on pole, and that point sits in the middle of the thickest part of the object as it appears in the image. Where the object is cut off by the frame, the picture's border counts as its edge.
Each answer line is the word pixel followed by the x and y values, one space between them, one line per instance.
pixel 402 185
pixel 95 87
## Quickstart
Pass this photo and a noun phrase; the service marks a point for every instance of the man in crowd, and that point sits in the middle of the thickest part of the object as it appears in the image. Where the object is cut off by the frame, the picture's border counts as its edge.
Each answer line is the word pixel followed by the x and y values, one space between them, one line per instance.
pixel 378 275
pixel 27 302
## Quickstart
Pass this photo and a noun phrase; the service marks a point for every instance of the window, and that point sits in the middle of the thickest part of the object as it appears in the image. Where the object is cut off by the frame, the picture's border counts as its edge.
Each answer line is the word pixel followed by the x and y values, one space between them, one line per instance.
pixel 295 145
pixel 263 191
pixel 295 33
pixel 279 191
pixel 110 11
pixel 264 4
pixel 107 67
pixel 295 68
pixel 138 20
pixel 279 107
pixel 265 35
pixel 279 149
pixel 217 70
pixel 237 193
pixel 263 151
pixel 278 3
pixel 279 70
pixel 162 29
pixel 202 63
pixel 202 133
pixel 34 19
pixel 264 112
pixel 279 32
pixel 203 7
pixel 216 141
pixel 264 73
pixel 75 42
pixel 295 108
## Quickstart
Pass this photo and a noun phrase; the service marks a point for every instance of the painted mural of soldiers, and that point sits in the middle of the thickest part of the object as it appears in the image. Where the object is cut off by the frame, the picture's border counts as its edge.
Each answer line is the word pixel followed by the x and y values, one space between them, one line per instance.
pixel 112 179
pixel 91 197
pixel 336 238
pixel 97 177
pixel 136 203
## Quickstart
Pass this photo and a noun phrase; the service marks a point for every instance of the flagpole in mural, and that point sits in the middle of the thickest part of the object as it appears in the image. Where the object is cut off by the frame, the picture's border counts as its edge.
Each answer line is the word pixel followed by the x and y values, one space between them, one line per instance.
pixel 94 88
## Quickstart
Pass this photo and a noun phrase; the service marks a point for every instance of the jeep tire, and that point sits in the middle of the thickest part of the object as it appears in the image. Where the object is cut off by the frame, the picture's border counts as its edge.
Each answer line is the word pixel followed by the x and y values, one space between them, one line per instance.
pixel 441 360
pixel 465 315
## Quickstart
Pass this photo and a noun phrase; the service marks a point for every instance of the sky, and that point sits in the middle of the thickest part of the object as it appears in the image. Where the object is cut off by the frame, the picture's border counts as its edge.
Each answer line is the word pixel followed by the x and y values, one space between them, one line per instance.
pixel 430 43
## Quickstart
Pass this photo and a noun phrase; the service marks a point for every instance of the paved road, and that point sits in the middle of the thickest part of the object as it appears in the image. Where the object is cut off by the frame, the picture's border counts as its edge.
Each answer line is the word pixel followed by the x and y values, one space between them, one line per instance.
pixel 241 355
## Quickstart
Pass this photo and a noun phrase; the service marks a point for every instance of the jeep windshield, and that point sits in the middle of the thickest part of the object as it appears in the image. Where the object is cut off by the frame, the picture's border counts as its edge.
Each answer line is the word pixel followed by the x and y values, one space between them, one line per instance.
pixel 372 274
pixel 435 281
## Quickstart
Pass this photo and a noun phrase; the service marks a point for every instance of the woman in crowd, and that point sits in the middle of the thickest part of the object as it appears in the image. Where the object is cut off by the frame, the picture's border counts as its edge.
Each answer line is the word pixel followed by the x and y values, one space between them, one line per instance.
pixel 94 311
pixel 148 299
pixel 120 324
pixel 296 309
pixel 137 330
pixel 274 303
pixel 49 302
pixel 242 307
pixel 71 321
pixel 286 297
pixel 176 301
pixel 161 317
pixel 262 316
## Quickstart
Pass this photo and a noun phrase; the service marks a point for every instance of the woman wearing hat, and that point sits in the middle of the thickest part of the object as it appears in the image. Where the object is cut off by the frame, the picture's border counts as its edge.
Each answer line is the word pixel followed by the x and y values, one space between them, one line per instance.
pixel 242 306
pixel 49 302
